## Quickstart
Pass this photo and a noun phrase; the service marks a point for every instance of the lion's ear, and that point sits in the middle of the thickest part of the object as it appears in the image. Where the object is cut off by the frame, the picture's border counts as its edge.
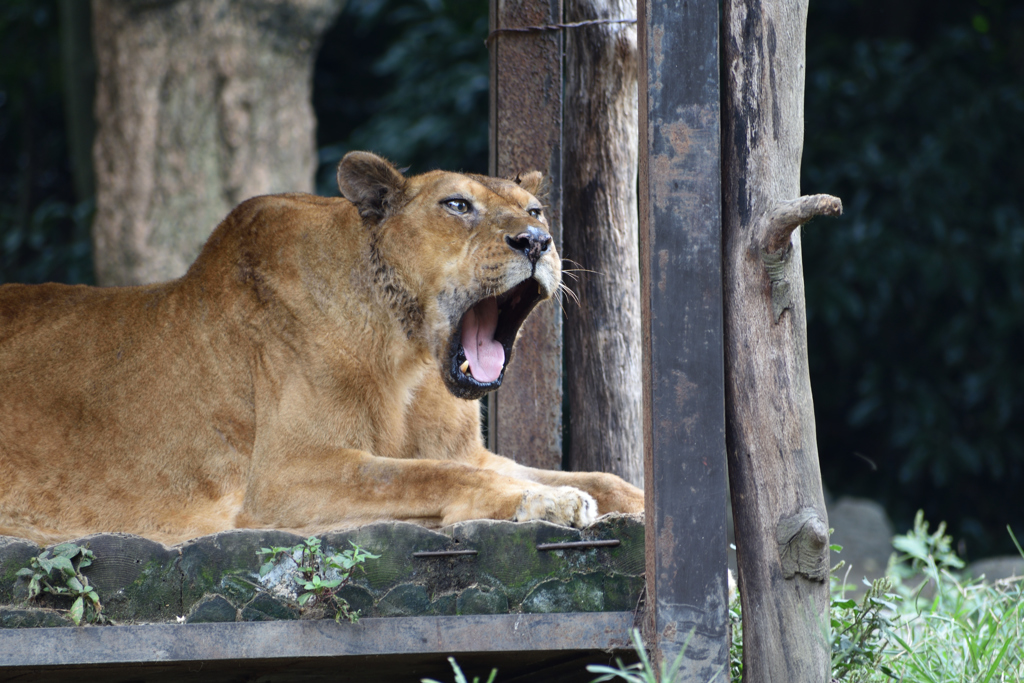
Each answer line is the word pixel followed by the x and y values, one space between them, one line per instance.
pixel 372 184
pixel 530 181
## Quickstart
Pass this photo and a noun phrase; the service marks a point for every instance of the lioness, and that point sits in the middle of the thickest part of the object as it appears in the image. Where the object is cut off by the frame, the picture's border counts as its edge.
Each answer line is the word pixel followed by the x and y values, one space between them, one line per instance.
pixel 314 369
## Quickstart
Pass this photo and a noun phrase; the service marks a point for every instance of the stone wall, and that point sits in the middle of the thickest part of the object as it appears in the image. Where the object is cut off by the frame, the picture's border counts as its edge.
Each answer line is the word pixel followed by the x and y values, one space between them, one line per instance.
pixel 216 578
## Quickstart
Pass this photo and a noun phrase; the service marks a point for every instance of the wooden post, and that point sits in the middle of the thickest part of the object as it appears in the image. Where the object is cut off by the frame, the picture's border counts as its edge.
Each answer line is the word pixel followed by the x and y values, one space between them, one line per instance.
pixel 602 334
pixel 778 507
pixel 525 415
pixel 681 295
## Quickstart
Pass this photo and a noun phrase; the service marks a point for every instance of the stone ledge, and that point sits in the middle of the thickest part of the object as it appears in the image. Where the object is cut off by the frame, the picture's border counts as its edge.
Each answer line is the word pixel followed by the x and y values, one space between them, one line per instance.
pixel 215 578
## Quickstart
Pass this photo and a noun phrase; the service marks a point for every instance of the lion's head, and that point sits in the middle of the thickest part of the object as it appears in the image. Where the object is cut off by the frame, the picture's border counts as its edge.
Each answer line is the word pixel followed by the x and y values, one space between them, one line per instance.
pixel 462 259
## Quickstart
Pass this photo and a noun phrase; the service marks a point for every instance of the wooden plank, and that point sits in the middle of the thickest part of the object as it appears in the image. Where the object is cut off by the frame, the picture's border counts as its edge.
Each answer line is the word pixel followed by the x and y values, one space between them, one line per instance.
pixel 681 291
pixel 525 415
pixel 389 649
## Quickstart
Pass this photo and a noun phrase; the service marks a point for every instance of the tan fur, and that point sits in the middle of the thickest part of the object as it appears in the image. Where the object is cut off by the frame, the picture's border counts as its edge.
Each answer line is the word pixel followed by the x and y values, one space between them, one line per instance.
pixel 291 379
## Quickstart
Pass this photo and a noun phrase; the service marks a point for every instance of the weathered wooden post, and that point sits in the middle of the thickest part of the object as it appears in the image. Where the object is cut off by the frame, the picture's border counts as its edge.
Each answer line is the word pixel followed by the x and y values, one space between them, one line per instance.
pixel 602 328
pixel 779 511
pixel 525 415
pixel 681 294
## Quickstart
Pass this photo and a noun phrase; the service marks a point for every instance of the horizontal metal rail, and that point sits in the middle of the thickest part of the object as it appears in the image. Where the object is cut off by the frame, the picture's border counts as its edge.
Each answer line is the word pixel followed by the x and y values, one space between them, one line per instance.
pixel 444 553
pixel 579 545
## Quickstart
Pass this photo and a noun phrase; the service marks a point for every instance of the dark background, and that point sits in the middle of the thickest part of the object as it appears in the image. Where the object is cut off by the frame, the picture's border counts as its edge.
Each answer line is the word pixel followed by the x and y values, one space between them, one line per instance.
pixel 914 117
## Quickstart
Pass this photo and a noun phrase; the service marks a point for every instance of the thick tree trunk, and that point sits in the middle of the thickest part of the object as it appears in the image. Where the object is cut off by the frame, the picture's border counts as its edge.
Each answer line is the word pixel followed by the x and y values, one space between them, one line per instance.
pixel 602 332
pixel 199 105
pixel 779 510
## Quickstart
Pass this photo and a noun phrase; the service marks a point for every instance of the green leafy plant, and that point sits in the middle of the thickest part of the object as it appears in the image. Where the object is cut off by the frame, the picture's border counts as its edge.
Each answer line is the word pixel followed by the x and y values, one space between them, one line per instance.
pixel 924 622
pixel 59 572
pixel 931 555
pixel 461 677
pixel 861 632
pixel 318 574
pixel 736 641
pixel 644 671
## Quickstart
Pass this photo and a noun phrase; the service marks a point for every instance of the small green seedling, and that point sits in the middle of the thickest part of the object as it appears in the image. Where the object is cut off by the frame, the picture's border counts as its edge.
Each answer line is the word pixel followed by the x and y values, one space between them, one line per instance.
pixel 60 573
pixel 461 677
pixel 313 568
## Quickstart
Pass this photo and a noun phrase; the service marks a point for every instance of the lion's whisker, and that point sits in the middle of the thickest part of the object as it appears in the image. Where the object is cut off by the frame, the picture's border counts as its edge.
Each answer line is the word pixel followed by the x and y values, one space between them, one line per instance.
pixel 569 293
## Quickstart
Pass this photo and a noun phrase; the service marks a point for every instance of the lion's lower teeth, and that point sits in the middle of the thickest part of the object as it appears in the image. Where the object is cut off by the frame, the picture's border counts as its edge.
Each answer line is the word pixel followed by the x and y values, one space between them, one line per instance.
pixel 464 367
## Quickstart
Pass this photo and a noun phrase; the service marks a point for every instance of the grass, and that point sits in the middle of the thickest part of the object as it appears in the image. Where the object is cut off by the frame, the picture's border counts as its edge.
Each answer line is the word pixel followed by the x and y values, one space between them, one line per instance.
pixel 924 622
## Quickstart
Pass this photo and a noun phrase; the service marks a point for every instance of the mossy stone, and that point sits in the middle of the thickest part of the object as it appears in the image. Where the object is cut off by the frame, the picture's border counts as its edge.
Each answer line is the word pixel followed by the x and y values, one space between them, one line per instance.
pixel 509 558
pixel 581 594
pixel 394 542
pixel 628 557
pixel 407 600
pixel 358 598
pixel 32 618
pixel 137 579
pixel 205 561
pixel 444 605
pixel 477 601
pixel 238 587
pixel 15 554
pixel 213 608
pixel 265 607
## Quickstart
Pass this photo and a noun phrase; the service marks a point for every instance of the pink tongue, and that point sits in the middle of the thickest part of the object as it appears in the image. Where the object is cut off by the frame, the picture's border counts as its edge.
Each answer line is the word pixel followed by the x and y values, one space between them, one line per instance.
pixel 485 355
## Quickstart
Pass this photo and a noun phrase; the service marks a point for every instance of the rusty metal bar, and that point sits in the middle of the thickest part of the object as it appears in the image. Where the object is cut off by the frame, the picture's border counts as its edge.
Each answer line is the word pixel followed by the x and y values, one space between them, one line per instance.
pixel 580 545
pixel 525 415
pixel 444 553
pixel 681 292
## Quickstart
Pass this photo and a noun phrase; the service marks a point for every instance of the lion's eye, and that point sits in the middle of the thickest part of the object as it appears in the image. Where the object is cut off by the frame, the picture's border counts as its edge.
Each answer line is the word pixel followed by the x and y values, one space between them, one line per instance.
pixel 536 213
pixel 457 205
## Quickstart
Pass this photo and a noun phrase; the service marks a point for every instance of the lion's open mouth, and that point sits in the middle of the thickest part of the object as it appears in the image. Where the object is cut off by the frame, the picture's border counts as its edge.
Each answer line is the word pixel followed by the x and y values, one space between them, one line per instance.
pixel 481 345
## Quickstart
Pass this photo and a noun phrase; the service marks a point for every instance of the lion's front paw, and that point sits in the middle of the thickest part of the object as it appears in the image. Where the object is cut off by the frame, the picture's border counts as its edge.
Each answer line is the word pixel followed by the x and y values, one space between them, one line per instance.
pixel 558 504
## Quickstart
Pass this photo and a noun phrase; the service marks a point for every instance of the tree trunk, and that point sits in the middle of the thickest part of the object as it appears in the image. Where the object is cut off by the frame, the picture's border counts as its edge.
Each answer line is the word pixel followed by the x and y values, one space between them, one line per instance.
pixel 600 242
pixel 199 105
pixel 779 510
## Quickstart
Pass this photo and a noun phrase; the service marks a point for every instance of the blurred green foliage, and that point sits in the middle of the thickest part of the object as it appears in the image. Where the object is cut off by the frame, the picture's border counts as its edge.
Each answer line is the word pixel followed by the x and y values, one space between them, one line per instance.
pixel 44 232
pixel 916 296
pixel 914 116
pixel 406 79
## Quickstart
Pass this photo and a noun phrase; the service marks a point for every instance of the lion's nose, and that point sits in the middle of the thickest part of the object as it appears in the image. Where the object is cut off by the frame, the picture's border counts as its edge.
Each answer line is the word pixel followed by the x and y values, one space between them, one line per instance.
pixel 533 242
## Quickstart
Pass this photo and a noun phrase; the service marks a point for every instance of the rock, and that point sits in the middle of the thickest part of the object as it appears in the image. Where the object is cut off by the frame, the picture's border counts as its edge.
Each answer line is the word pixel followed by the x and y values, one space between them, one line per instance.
pixel 137 579
pixel 15 554
pixel 358 598
pixel 32 618
pixel 407 600
pixel 997 568
pixel 209 578
pixel 865 532
pixel 226 562
pixel 265 607
pixel 508 553
pixel 444 605
pixel 582 594
pixel 477 601
pixel 394 542
pixel 213 608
